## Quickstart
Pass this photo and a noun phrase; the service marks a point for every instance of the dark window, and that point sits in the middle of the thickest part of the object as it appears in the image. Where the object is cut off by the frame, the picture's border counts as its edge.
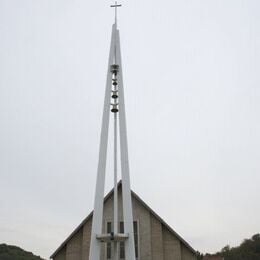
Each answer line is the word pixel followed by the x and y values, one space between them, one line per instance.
pixel 109 230
pixel 122 244
pixel 136 238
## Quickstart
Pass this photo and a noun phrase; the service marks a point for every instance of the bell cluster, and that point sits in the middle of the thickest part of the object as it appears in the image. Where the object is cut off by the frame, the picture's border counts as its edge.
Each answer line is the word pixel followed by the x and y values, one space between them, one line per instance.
pixel 114 91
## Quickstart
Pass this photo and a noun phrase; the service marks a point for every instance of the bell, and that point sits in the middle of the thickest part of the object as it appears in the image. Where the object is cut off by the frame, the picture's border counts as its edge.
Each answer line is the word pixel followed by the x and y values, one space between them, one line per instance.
pixel 114 108
pixel 114 68
pixel 114 96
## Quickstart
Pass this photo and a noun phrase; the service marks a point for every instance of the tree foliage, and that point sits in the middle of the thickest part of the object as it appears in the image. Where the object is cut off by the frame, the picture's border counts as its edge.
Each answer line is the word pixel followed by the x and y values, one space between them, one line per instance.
pixel 8 252
pixel 249 249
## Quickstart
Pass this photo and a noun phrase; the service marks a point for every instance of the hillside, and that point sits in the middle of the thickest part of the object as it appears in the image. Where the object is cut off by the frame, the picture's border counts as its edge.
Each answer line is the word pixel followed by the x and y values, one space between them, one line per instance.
pixel 249 249
pixel 16 253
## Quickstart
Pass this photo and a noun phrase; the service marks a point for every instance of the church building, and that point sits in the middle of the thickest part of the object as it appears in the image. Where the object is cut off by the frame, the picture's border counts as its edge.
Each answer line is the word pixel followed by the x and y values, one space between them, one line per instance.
pixel 121 226
pixel 154 238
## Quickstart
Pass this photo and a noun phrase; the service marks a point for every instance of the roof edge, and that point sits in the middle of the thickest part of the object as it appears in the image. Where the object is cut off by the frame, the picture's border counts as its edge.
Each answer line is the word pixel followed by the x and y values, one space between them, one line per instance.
pixel 163 222
pixel 82 223
pixel 143 203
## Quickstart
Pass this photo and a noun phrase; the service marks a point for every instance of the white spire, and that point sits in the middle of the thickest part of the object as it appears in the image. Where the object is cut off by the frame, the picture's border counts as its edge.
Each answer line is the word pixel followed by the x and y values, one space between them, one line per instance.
pixel 114 102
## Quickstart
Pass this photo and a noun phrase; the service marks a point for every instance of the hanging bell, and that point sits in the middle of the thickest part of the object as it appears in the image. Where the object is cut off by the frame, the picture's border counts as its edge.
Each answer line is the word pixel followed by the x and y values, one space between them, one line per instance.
pixel 114 68
pixel 114 94
pixel 114 108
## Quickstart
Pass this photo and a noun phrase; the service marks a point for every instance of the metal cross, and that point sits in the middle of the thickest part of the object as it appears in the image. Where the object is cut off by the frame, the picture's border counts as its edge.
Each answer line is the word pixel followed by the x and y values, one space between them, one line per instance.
pixel 115 6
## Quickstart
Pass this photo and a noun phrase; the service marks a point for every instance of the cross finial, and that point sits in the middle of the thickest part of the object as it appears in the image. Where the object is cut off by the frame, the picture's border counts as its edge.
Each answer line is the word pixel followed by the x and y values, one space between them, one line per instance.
pixel 116 5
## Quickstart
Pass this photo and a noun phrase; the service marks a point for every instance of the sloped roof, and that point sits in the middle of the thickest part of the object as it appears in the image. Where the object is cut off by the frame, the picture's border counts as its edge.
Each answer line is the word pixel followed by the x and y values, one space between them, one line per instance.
pixel 134 195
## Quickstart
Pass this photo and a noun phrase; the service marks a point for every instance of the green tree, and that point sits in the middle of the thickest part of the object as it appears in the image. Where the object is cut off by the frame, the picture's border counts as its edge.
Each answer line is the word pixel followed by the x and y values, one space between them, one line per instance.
pixel 8 252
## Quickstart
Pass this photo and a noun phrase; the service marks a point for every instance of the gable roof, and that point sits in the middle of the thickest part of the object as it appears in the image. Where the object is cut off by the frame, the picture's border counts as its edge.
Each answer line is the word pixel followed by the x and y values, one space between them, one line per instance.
pixel 134 195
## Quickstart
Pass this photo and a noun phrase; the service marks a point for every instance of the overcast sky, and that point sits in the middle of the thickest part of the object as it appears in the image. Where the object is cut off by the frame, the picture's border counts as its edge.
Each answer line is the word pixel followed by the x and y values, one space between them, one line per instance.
pixel 191 73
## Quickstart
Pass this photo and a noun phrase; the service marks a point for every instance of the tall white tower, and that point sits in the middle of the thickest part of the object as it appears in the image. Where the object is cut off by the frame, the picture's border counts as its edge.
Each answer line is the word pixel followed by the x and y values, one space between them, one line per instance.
pixel 114 104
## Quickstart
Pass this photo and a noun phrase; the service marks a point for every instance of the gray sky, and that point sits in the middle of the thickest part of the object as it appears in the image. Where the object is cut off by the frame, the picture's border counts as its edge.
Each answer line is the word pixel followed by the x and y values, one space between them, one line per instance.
pixel 191 72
